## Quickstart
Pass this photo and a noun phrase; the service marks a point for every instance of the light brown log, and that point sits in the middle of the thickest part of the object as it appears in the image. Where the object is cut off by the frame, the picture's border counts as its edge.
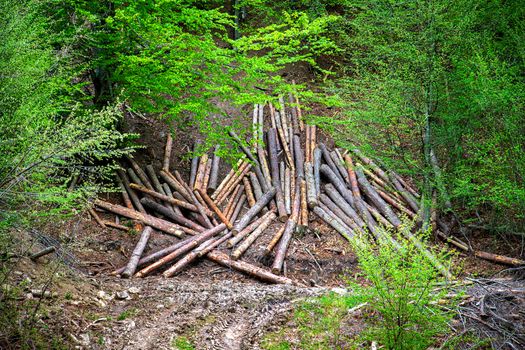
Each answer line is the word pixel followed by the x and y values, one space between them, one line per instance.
pixel 274 165
pixel 194 165
pixel 167 152
pixel 330 163
pixel 215 208
pixel 264 163
pixel 125 190
pixel 376 199
pixel 331 220
pixel 352 176
pixel 181 250
pixel 96 217
pixel 275 239
pixel 175 184
pixel 237 209
pixel 202 210
pixel 42 253
pixel 406 185
pixel 227 179
pixel 395 204
pixel 299 113
pixel 207 174
pixel 236 179
pixel 299 157
pixel 248 241
pixel 293 110
pixel 140 173
pixel 214 173
pixel 317 155
pixel 339 165
pixel 249 269
pixel 287 191
pixel 167 191
pixel 281 177
pixel 307 144
pixel 372 165
pixel 168 199
pixel 159 224
pixel 313 140
pixel 304 203
pixel 131 267
pixel 249 192
pixel 233 200
pixel 247 217
pixel 339 213
pixel 284 119
pixel 377 215
pixel 247 230
pixel 216 243
pixel 132 195
pixel 188 226
pixel 284 242
pixel 311 195
pixel 115 225
pixel 201 172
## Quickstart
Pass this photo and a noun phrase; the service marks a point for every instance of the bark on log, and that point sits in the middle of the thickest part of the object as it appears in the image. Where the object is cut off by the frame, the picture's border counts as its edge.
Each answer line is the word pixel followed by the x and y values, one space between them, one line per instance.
pixel 214 174
pixel 233 200
pixel 202 210
pixel 202 237
pixel 194 166
pixel 372 165
pixel 336 197
pixel 249 192
pixel 293 110
pixel 307 144
pixel 287 191
pixel 343 230
pixel 275 239
pixel 243 222
pixel 134 177
pixel 190 228
pixel 339 165
pixel 274 165
pixel 167 191
pixel 227 179
pixel 281 177
pixel 336 181
pixel 235 181
pixel 396 204
pixel 328 159
pixel 257 190
pixel 249 269
pixel 175 184
pixel 248 241
pixel 96 217
pixel 405 194
pixel 42 253
pixel 380 204
pixel 167 152
pixel 352 177
pixel 140 173
pixel 115 225
pixel 339 213
pixel 214 207
pixel 132 195
pixel 317 154
pixel 137 253
pixel 168 199
pixel 311 194
pixel 207 175
pixel 284 242
pixel 299 157
pixel 154 179
pixel 304 203
pixel 377 215
pixel 284 120
pixel 201 172
pixel 235 214
pixel 159 224
pixel 247 230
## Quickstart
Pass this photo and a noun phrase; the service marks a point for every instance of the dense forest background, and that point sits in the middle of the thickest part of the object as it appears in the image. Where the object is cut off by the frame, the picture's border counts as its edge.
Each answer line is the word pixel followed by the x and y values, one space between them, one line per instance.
pixel 434 89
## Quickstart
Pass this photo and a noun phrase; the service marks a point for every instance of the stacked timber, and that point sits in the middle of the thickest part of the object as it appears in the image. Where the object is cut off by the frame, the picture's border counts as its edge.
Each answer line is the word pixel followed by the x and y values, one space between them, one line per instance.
pixel 286 179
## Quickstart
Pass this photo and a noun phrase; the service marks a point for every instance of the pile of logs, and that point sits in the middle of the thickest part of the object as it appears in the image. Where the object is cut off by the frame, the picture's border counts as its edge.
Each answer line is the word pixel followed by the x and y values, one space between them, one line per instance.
pixel 279 180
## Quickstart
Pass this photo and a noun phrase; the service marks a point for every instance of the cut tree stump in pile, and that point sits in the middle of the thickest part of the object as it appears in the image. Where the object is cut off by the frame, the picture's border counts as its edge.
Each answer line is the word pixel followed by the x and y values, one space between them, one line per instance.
pixel 283 183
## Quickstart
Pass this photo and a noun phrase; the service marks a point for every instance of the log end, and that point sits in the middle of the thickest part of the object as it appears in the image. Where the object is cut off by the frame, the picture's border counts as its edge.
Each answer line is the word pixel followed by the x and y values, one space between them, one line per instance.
pixel 276 270
pixel 283 218
pixel 235 232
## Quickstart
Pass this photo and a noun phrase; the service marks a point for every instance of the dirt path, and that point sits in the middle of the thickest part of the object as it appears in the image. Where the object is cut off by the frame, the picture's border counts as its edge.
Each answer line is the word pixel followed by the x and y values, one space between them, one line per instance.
pixel 223 315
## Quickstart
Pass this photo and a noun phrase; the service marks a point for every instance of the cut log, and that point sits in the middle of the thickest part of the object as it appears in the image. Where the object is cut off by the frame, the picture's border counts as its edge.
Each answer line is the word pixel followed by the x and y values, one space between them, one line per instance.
pixel 97 218
pixel 42 253
pixel 299 157
pixel 191 244
pixel 352 177
pixel 140 173
pixel 284 119
pixel 167 152
pixel 247 230
pixel 249 269
pixel 405 194
pixel 304 203
pixel 336 197
pixel 257 190
pixel 249 192
pixel 227 179
pixel 233 200
pixel 284 242
pixel 339 213
pixel 194 166
pixel 376 199
pixel 154 179
pixel 311 194
pixel 281 177
pixel 214 173
pixel 137 253
pixel 159 224
pixel 247 217
pixel 168 199
pixel 339 165
pixel 115 225
pixel 207 175
pixel 201 172
pixel 287 189
pixel 167 191
pixel 248 241
pixel 215 208
pixel 377 215
pixel 237 209
pixel 175 184
pixel 293 112
pixel 307 142
pixel 126 197
pixel 275 239
pixel 202 210
pixel 190 228
pixel 340 185
pixel 330 163
pixel 376 169
pixel 396 204
pixel 317 169
pixel 274 165
pixel 344 231
pixel 132 195
pixel 134 177
pixel 235 181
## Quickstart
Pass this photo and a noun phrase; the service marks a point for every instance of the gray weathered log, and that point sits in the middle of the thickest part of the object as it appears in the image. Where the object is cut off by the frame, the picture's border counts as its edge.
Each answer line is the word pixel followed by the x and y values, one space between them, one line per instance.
pixel 407 196
pixel 194 166
pixel 247 217
pixel 317 168
pixel 311 194
pixel 331 220
pixel 132 195
pixel 131 267
pixel 347 220
pixel 329 161
pixel 339 165
pixel 299 156
pixel 340 185
pixel 274 166
pixel 343 204
pixel 42 252
pixel 214 175
pixel 190 226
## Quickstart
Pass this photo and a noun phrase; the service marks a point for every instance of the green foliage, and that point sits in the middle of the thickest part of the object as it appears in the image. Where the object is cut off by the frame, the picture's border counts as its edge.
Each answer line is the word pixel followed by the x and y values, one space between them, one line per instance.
pixel 401 291
pixel 182 343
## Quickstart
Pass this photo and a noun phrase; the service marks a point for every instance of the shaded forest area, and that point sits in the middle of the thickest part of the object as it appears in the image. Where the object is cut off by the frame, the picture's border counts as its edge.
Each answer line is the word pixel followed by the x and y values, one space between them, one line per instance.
pixel 430 89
